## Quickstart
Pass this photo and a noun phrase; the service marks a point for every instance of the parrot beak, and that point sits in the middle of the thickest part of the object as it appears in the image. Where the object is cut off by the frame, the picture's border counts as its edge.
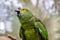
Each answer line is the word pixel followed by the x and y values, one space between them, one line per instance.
pixel 18 12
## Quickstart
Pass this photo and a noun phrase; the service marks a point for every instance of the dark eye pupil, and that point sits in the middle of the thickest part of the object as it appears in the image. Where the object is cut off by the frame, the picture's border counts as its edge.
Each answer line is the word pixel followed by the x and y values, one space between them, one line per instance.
pixel 23 9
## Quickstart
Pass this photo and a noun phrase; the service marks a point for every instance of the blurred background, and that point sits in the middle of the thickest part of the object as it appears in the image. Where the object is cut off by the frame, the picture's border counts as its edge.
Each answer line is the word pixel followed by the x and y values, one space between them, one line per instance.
pixel 47 11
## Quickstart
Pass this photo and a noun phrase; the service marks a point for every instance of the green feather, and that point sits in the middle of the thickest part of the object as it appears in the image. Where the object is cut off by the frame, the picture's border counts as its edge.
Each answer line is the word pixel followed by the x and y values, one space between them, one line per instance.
pixel 31 27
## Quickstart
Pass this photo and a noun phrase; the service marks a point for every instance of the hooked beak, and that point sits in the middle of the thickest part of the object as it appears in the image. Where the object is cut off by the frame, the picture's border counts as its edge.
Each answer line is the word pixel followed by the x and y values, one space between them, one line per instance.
pixel 18 12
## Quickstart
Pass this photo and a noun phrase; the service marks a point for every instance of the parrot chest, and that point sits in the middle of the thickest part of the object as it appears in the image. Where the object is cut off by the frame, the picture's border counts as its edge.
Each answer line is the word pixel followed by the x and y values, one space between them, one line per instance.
pixel 31 34
pixel 29 31
pixel 28 25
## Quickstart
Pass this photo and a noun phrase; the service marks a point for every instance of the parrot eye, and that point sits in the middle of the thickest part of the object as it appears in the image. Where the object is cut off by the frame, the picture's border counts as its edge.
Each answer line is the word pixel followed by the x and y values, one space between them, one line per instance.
pixel 23 10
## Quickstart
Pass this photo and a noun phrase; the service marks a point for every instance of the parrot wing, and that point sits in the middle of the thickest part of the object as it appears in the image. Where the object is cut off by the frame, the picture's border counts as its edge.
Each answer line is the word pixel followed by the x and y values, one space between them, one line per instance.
pixel 40 27
pixel 21 34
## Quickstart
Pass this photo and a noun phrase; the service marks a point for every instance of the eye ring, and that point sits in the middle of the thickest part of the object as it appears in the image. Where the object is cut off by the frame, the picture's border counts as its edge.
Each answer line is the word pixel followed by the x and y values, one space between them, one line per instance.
pixel 22 9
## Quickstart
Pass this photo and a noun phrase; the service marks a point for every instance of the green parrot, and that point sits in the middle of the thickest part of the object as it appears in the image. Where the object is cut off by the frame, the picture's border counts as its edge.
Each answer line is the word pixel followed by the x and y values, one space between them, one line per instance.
pixel 31 27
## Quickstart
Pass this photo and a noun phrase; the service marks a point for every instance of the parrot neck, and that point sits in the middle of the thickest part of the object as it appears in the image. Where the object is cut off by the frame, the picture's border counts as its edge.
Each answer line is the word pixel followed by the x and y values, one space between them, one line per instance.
pixel 26 21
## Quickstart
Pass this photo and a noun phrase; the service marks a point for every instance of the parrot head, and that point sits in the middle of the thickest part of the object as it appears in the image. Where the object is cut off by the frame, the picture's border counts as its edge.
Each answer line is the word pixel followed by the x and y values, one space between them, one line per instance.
pixel 24 14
